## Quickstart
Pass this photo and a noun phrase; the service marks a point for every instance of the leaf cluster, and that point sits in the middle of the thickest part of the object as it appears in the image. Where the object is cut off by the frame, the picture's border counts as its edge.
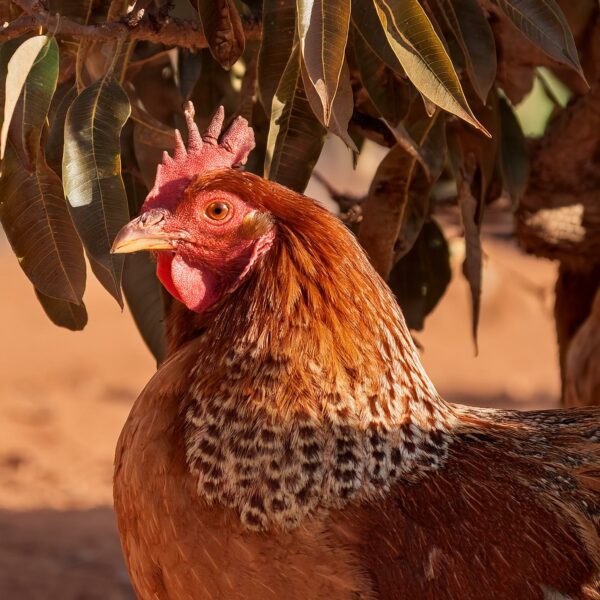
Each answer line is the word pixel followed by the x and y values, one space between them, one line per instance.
pixel 84 121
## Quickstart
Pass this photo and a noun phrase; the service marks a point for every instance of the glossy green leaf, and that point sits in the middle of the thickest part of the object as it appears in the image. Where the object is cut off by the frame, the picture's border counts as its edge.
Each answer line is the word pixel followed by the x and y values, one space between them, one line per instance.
pixel 295 135
pixel 92 173
pixel 18 68
pixel 388 93
pixel 63 313
pixel 223 30
pixel 141 287
pixel 423 56
pixel 474 35
pixel 514 156
pixel 543 23
pixel 37 224
pixel 279 24
pixel 420 278
pixel 398 200
pixel 323 32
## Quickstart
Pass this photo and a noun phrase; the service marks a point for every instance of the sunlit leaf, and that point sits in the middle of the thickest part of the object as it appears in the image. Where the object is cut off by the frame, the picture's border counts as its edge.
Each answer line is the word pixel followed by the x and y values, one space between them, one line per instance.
pixel 223 30
pixel 279 22
pixel 514 156
pixel 295 135
pixel 92 172
pixel 19 66
pixel 421 277
pixel 544 24
pixel 476 40
pixel 63 313
pixel 56 132
pixel 32 206
pixel 389 94
pixel 423 56
pixel 341 109
pixel 398 200
pixel 323 32
pixel 141 288
pixel 37 224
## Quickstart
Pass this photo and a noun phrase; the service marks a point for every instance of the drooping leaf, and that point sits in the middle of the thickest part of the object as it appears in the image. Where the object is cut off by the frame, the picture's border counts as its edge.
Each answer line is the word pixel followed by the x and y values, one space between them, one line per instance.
pixel 141 287
pixel 341 109
pixel 544 24
pixel 150 139
pixel 92 172
pixel 189 68
pixel 367 24
pixel 32 206
pixel 279 24
pixel 476 40
pixel 295 135
pixel 465 167
pixel 18 68
pixel 7 49
pixel 323 32
pixel 37 224
pixel 398 200
pixel 514 156
pixel 63 313
pixel 413 39
pixel 56 131
pixel 421 277
pixel 389 94
pixel 223 29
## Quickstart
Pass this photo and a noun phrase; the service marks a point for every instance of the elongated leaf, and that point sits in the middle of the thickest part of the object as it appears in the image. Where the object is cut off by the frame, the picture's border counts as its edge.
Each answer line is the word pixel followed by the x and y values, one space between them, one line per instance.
pixel 389 94
pixel 19 66
pixel 63 313
pixel 423 56
pixel 420 279
pixel 323 32
pixel 150 139
pixel 398 199
pixel 476 40
pixel 543 23
pixel 223 29
pixel 341 109
pixel 367 24
pixel 7 49
pixel 141 287
pixel 514 156
pixel 189 68
pixel 295 135
pixel 56 132
pixel 279 23
pixel 32 207
pixel 92 172
pixel 37 224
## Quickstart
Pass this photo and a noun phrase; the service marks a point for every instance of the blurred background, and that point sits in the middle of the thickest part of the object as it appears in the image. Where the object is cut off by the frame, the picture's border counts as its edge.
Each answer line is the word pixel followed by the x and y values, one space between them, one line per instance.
pixel 65 395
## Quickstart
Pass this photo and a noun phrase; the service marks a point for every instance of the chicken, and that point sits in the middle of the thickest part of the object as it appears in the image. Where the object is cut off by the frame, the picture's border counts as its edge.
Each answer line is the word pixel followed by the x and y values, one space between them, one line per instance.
pixel 292 446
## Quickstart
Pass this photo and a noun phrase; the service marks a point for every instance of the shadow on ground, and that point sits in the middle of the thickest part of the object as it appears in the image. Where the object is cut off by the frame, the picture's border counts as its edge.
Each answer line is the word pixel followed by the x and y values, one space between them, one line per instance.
pixel 61 555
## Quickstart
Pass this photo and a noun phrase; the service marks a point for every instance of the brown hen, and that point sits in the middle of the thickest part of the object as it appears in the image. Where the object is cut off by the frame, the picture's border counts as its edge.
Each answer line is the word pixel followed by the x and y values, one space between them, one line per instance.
pixel 292 446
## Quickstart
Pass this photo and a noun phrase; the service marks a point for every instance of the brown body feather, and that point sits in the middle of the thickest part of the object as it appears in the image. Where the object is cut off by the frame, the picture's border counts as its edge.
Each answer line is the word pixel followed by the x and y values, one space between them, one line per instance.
pixel 293 447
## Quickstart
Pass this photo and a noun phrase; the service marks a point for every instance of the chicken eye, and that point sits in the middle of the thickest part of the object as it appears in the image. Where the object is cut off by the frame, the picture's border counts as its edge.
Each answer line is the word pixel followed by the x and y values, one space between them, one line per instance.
pixel 217 211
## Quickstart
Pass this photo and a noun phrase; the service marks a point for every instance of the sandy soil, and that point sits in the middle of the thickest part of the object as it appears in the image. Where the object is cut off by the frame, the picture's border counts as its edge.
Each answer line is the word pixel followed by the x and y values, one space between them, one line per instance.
pixel 64 397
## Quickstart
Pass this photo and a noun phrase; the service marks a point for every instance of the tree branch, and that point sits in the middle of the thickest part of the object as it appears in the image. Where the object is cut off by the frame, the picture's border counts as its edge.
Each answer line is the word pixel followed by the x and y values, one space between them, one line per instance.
pixel 171 32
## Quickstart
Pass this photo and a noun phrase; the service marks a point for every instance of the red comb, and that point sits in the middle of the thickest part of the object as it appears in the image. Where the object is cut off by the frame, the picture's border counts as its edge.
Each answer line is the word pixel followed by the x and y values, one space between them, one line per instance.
pixel 203 153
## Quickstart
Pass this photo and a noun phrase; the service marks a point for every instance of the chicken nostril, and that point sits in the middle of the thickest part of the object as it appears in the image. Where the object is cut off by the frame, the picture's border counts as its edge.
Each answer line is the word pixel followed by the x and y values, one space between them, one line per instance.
pixel 152 217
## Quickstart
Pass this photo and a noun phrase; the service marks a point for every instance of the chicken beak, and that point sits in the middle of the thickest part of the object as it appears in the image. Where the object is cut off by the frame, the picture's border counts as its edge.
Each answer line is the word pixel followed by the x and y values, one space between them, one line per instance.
pixel 144 233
